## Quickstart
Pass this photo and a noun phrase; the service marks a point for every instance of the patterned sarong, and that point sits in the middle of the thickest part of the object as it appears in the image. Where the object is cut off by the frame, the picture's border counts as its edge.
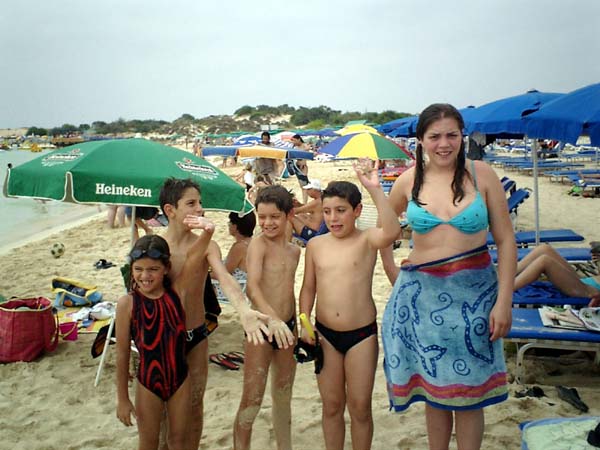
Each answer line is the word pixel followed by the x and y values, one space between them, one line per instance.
pixel 435 335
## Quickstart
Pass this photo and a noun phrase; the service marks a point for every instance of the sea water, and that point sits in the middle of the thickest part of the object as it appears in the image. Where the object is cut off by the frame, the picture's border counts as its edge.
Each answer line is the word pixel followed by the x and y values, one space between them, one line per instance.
pixel 23 218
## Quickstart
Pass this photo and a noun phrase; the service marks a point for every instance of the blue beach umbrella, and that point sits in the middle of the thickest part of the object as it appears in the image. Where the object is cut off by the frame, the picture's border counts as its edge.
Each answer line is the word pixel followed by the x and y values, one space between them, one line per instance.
pixel 504 116
pixel 568 117
pixel 399 127
pixel 220 150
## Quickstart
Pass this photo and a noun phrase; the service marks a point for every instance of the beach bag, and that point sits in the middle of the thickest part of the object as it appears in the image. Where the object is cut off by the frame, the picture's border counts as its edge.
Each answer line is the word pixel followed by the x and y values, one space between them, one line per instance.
pixel 74 293
pixel 27 329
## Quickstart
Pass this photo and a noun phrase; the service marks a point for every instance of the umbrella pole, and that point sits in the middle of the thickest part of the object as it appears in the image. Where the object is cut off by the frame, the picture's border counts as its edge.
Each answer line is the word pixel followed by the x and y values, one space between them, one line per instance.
pixel 132 226
pixel 536 196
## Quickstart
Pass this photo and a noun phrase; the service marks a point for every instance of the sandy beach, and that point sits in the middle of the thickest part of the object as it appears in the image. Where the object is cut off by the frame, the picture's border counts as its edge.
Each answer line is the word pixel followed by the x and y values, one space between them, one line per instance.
pixel 52 403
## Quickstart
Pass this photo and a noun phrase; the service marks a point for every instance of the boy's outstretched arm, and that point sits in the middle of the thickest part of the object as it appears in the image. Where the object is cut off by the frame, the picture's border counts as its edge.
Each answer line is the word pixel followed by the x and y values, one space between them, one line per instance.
pixel 308 291
pixel 390 227
pixel 255 263
pixel 253 322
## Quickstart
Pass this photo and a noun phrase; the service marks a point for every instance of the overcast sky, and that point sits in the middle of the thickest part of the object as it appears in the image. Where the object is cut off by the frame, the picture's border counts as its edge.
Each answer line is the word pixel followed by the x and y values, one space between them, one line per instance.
pixel 78 61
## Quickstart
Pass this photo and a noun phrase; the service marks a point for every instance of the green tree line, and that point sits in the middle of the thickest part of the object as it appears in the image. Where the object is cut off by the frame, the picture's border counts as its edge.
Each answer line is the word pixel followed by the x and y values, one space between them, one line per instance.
pixel 253 118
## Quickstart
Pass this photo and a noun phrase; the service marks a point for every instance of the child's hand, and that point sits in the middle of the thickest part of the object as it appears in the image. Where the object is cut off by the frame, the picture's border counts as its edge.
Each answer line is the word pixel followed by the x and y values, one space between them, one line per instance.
pixel 124 412
pixel 306 337
pixel 255 324
pixel 199 223
pixel 281 333
pixel 367 172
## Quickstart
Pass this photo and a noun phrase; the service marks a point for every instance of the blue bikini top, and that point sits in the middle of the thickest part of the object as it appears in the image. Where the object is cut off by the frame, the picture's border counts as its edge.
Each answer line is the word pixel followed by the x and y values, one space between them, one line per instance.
pixel 472 219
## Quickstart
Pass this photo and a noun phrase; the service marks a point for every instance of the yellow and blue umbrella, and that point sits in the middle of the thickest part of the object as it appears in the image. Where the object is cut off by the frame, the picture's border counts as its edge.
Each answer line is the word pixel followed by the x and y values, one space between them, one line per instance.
pixel 365 145
pixel 357 128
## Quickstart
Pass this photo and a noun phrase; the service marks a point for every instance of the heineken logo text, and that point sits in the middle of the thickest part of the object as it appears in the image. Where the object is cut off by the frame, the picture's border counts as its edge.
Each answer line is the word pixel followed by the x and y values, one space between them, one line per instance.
pixel 131 190
pixel 190 166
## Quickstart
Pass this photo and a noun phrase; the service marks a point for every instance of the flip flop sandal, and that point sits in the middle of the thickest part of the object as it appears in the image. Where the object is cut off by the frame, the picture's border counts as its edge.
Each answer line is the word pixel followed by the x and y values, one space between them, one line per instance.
pixel 220 360
pixel 103 264
pixel 571 396
pixel 593 437
pixel 534 391
pixel 236 357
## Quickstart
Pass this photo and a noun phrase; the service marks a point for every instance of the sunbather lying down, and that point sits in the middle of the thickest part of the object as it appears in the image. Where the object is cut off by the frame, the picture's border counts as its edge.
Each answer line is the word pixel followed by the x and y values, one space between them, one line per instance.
pixel 544 260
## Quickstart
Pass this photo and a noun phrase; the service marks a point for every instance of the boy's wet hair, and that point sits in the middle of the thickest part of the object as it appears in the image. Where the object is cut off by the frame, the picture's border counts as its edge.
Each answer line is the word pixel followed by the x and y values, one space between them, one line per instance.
pixel 343 189
pixel 276 194
pixel 150 246
pixel 172 190
pixel 245 224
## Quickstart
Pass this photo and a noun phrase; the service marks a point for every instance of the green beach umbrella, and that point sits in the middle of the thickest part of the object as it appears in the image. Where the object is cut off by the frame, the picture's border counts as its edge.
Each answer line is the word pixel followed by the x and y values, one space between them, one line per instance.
pixel 122 172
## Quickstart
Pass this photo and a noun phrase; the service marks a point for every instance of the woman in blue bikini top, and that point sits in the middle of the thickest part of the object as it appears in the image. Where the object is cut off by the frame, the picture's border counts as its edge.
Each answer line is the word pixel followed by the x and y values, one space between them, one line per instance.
pixel 470 220
pixel 450 204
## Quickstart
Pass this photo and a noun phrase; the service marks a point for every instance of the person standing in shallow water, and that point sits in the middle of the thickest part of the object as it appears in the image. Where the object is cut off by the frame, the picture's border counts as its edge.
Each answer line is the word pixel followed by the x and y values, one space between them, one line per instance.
pixel 449 307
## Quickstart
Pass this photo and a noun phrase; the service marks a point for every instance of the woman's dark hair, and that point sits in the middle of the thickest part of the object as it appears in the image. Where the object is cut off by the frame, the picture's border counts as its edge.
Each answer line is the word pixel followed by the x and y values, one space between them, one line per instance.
pixel 150 246
pixel 245 224
pixel 297 136
pixel 343 189
pixel 431 114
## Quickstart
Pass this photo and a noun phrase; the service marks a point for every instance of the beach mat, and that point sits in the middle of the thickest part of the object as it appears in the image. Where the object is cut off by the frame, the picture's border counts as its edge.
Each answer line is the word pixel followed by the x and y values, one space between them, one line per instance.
pixel 91 326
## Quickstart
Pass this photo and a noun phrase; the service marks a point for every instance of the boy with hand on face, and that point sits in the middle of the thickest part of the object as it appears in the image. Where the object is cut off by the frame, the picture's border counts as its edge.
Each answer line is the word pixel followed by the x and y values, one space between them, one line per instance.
pixel 178 199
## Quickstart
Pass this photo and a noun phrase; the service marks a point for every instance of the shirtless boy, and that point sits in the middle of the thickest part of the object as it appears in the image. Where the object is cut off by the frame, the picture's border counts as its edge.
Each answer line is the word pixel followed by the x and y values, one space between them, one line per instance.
pixel 339 271
pixel 271 262
pixel 178 198
pixel 307 219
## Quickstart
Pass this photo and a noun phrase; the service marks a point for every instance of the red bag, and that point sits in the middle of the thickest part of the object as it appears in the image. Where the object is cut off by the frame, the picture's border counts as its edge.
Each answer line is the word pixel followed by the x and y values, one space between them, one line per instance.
pixel 27 332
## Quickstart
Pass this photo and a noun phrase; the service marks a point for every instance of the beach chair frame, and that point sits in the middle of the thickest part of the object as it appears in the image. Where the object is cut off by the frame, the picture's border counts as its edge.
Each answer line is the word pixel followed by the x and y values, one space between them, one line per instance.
pixel 524 344
pixel 528 337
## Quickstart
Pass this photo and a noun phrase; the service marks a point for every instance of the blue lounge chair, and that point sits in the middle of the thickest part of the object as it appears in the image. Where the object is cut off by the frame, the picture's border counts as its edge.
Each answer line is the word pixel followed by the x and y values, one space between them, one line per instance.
pixel 528 332
pixel 510 186
pixel 524 238
pixel 571 254
pixel 516 198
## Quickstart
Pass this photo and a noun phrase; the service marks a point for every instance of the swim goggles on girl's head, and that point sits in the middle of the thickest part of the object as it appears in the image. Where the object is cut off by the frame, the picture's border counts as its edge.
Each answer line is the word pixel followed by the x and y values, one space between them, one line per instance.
pixel 153 253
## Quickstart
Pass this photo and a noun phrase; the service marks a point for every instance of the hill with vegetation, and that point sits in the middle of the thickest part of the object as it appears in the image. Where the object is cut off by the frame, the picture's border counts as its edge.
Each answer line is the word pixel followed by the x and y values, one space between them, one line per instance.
pixel 247 118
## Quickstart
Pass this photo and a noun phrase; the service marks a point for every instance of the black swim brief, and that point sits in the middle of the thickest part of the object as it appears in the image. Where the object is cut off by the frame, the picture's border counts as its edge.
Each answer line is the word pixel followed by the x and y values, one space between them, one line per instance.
pixel 343 341
pixel 195 336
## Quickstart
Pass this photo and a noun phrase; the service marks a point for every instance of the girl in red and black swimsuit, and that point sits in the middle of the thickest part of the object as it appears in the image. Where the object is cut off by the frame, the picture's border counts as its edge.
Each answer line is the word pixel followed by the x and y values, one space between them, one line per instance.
pixel 152 314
